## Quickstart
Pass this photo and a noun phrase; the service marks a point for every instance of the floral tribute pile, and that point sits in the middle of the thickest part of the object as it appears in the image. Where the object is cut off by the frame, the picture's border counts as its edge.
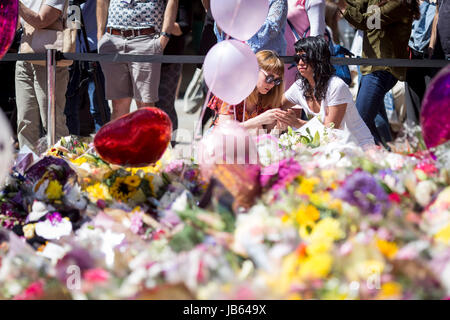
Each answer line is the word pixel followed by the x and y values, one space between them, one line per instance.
pixel 332 222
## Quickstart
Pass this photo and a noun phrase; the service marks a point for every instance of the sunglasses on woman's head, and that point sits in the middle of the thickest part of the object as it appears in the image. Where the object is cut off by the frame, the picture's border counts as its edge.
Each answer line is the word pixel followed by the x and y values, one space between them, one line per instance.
pixel 271 79
pixel 298 57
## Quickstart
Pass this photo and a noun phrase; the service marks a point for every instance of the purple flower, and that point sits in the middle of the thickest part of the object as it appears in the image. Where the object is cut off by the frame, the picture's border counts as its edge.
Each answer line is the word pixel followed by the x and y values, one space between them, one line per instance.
pixel 58 168
pixel 78 257
pixel 174 167
pixel 362 190
pixel 54 217
pixel 283 173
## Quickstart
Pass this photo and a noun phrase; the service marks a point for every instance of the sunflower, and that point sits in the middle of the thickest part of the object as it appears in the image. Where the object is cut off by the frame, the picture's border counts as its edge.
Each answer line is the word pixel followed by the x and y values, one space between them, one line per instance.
pixel 122 191
pixel 133 181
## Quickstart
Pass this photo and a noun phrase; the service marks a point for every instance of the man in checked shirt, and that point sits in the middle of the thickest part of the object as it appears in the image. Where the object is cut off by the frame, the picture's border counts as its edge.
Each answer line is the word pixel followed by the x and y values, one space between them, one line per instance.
pixel 133 27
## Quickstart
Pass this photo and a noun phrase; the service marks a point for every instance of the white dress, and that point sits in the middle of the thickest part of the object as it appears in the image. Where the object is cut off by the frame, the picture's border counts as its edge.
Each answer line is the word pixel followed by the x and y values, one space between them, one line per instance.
pixel 337 93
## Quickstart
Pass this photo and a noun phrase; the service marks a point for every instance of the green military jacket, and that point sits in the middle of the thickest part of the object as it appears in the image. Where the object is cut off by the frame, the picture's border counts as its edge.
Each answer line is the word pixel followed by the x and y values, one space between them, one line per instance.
pixel 387 28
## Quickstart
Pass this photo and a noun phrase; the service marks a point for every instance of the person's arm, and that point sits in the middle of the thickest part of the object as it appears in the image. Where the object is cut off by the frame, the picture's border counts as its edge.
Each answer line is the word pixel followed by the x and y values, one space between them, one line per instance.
pixel 170 15
pixel 276 19
pixel 46 16
pixel 316 17
pixel 335 115
pixel 433 36
pixel 268 117
pixel 206 4
pixel 354 13
pixel 184 24
pixel 102 17
pixel 292 117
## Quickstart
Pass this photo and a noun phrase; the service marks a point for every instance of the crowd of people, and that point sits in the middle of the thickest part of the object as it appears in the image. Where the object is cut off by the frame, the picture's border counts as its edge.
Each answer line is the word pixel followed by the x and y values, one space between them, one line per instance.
pixel 285 95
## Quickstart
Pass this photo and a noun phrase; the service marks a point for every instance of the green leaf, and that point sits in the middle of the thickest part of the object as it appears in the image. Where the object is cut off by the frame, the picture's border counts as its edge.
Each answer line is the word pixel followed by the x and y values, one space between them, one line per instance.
pixel 186 239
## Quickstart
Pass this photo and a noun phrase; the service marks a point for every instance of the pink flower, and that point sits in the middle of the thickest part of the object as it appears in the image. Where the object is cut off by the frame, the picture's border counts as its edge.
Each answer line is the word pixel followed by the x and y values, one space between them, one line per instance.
pixel 33 292
pixel 97 275
pixel 136 222
pixel 285 172
pixel 394 197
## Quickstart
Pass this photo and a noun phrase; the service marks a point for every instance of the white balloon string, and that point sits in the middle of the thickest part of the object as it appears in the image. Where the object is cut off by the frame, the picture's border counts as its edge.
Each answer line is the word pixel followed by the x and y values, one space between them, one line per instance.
pixel 197 132
pixel 236 10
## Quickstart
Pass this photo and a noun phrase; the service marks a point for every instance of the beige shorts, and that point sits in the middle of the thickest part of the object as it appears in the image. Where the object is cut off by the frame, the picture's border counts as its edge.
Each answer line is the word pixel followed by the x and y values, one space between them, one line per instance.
pixel 137 80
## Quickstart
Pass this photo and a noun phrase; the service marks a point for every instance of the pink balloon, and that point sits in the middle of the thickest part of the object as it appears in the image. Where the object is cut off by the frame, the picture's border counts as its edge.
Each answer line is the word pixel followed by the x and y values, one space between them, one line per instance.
pixel 435 113
pixel 9 13
pixel 231 71
pixel 228 143
pixel 241 19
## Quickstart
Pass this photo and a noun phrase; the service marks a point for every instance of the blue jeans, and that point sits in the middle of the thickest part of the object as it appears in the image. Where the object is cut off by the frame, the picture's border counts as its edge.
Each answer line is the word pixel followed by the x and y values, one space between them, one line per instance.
pixel 80 80
pixel 370 103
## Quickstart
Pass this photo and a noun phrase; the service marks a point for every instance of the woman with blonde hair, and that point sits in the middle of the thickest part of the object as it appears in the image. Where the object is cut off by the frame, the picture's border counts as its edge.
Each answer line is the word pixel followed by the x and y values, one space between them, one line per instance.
pixel 260 110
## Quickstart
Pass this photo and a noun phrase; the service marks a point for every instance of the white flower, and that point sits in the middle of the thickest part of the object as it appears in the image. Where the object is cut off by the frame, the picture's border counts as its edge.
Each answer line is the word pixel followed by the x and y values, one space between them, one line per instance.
pixel 181 202
pixel 73 197
pixel 53 230
pixel 38 210
pixel 53 252
pixel 424 191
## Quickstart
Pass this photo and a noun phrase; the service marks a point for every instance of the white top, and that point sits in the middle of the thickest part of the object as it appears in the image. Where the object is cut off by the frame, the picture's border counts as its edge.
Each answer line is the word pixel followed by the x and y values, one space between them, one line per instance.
pixel 337 93
pixel 36 4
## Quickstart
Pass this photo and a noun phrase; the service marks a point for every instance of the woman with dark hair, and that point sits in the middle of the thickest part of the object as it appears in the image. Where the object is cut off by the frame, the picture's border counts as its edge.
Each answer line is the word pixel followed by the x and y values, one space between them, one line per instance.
pixel 387 28
pixel 319 92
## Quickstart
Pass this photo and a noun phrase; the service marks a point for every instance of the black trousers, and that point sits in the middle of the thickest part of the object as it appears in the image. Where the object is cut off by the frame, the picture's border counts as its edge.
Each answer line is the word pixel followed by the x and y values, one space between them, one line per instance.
pixel 417 81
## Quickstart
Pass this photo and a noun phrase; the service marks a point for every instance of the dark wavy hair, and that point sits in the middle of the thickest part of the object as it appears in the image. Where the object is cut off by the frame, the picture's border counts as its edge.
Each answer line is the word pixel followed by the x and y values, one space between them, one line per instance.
pixel 318 57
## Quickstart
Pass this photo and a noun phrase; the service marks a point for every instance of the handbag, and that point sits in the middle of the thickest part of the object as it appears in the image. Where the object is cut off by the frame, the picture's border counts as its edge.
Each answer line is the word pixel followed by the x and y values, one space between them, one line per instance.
pixel 56 36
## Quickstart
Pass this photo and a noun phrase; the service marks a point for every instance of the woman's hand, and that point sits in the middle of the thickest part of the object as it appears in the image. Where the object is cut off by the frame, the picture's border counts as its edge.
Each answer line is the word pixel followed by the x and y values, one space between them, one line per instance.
pixel 290 118
pixel 268 117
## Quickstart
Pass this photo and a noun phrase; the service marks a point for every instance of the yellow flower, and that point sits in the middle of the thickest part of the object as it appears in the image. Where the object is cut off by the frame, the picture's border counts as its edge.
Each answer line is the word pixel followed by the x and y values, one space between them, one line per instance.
pixel 307 185
pixel 316 266
pixel 28 230
pixel 390 290
pixel 328 175
pixel 53 152
pixel 443 235
pixel 79 161
pixel 294 296
pixel 387 248
pixel 98 191
pixel 336 205
pixel 327 229
pixel 121 191
pixel 318 247
pixel 306 214
pixel 319 198
pixel 156 168
pixel 284 218
pixel 306 229
pixel 54 190
pixel 133 181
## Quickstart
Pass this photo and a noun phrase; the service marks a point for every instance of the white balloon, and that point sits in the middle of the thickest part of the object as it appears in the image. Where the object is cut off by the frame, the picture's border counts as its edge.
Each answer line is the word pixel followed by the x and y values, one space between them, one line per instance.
pixel 241 19
pixel 6 148
pixel 231 71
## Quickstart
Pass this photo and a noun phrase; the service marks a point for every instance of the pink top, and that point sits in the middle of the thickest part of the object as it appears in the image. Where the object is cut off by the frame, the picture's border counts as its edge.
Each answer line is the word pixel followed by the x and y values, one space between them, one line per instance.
pixel 298 17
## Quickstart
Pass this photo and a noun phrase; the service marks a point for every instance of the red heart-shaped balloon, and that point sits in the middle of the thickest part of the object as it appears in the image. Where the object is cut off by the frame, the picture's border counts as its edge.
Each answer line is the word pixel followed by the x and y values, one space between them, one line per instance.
pixel 136 139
